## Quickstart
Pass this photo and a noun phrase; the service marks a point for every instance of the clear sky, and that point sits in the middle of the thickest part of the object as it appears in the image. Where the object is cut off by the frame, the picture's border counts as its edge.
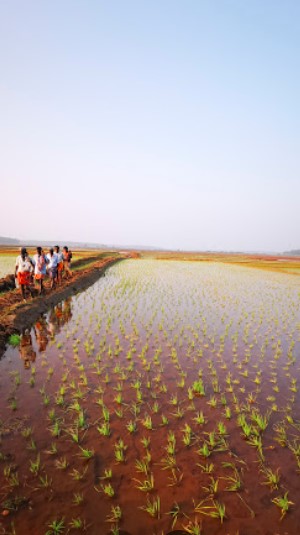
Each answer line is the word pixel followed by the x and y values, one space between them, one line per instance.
pixel 172 123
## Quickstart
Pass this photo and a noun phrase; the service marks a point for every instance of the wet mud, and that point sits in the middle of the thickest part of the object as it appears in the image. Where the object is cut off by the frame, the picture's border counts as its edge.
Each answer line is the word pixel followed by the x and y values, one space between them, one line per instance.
pixel 156 402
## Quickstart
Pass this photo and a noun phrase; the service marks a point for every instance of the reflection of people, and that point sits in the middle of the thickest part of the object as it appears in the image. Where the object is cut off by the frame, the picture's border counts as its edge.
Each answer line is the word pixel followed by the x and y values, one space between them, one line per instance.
pixel 53 321
pixel 67 310
pixel 41 333
pixel 23 271
pixel 59 315
pixel 40 261
pixel 27 352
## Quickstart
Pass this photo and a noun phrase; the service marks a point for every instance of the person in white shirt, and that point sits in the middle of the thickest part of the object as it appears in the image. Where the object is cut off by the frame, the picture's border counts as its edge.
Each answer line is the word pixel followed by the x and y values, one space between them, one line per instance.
pixel 60 264
pixel 52 266
pixel 40 263
pixel 23 272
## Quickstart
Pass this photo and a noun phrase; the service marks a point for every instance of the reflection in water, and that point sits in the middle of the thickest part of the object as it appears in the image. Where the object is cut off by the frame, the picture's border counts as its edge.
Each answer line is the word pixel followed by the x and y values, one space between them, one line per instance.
pixel 59 315
pixel 27 352
pixel 41 332
pixel 51 323
pixel 44 329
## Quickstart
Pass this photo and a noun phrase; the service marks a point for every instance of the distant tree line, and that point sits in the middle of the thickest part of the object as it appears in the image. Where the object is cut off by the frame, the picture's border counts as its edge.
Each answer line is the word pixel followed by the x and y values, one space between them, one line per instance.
pixel 294 252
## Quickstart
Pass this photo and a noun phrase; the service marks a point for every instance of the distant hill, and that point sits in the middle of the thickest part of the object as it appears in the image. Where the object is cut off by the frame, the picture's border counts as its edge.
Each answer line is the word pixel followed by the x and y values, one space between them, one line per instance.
pixel 73 244
pixel 8 241
pixel 294 252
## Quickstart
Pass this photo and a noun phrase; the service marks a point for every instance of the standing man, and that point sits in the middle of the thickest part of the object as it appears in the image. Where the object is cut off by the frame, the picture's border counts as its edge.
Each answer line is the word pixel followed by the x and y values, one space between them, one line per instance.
pixel 52 266
pixel 40 261
pixel 60 264
pixel 67 256
pixel 23 271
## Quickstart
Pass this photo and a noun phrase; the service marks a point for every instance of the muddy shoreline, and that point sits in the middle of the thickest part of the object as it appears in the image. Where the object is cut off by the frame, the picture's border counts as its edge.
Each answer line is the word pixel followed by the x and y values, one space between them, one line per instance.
pixel 19 315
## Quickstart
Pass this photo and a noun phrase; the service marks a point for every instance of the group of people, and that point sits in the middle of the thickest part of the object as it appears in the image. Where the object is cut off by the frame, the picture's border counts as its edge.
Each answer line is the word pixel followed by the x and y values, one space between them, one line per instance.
pixel 54 264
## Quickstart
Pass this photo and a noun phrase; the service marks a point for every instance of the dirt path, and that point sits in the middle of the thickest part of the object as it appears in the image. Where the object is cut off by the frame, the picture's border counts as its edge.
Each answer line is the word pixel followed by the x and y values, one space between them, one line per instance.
pixel 16 315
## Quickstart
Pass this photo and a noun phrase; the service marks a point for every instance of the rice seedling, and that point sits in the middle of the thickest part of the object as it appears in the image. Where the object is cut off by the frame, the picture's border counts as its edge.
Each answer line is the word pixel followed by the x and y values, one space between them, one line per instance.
pixel 17 379
pixel 235 483
pixel 57 527
pixel 213 486
pixel 35 465
pixel 78 523
pixel 193 528
pixel 187 435
pixel 81 420
pixel 104 429
pixel 120 449
pixel 147 485
pixel 179 412
pixel 204 450
pixel 164 420
pixel 77 498
pixel 256 441
pixel 175 478
pixel 142 465
pixel 107 474
pixel 13 480
pixel 86 454
pixel 271 478
pixel 73 432
pixel 62 463
pixel 152 507
pixel 108 490
pixel 227 413
pixel 199 418
pixel 31 445
pixel 78 475
pixel 105 413
pixel 55 430
pixel 26 432
pixel 168 462
pixel 52 450
pixel 131 426
pixel 147 422
pixel 13 404
pixel 207 468
pixel 221 428
pixel 14 340
pixel 212 402
pixel 174 513
pixel 115 514
pixel 261 421
pixel 119 412
pixel 45 482
pixel 283 503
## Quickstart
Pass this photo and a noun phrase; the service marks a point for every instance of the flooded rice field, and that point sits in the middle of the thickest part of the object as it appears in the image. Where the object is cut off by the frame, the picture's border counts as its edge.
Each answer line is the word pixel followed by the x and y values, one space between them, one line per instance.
pixel 7 265
pixel 164 399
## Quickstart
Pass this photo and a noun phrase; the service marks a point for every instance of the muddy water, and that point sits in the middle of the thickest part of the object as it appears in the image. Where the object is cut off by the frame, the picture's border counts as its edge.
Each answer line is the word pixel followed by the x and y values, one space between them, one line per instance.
pixel 123 358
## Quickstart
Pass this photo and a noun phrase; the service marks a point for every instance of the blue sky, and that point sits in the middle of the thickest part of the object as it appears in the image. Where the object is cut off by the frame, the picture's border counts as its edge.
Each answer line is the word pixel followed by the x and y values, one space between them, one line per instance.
pixel 168 123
